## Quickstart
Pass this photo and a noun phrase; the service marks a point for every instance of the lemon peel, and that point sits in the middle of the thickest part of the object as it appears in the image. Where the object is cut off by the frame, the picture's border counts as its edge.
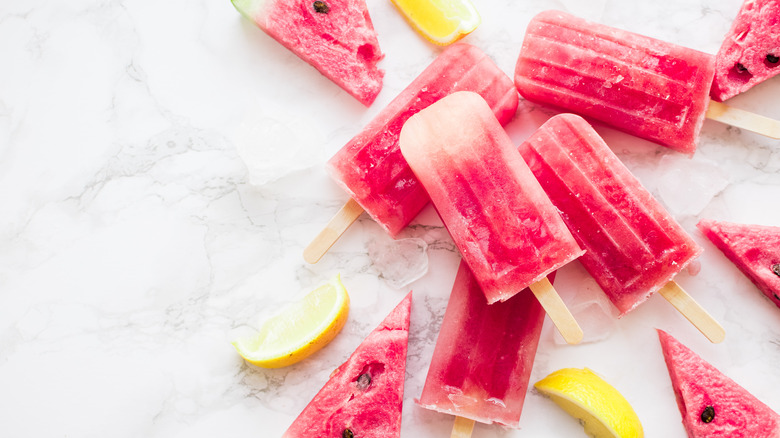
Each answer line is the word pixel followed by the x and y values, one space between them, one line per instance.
pixel 299 329
pixel 602 410
pixel 440 21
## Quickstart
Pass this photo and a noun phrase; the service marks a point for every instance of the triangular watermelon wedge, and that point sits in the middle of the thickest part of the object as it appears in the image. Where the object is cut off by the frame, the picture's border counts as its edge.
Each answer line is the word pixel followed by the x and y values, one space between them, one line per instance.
pixel 336 37
pixel 754 249
pixel 364 396
pixel 750 53
pixel 711 404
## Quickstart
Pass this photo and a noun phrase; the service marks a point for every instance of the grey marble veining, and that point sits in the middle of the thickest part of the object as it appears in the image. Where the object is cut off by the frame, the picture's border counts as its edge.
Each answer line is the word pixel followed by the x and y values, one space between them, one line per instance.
pixel 136 240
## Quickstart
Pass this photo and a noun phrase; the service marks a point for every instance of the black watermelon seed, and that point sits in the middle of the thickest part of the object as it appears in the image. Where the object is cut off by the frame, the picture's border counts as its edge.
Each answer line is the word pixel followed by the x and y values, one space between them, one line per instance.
pixel 708 414
pixel 321 7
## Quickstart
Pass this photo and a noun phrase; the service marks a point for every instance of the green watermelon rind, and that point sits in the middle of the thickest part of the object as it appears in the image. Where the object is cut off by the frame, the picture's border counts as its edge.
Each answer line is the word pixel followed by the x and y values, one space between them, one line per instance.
pixel 249 8
pixel 342 44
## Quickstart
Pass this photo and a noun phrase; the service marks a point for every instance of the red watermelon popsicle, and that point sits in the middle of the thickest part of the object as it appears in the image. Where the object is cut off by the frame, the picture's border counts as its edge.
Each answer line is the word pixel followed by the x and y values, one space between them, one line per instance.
pixel 633 246
pixel 484 354
pixel 711 404
pixel 646 87
pixel 364 396
pixel 505 227
pixel 336 37
pixel 371 168
pixel 754 249
pixel 750 52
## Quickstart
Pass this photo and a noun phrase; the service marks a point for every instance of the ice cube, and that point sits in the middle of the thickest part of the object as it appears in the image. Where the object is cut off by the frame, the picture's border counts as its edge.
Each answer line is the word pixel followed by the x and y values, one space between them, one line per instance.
pixel 687 186
pixel 274 143
pixel 592 311
pixel 399 262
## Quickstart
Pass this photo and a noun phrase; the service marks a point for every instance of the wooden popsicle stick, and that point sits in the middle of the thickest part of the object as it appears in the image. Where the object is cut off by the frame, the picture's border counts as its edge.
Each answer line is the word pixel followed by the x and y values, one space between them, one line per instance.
pixel 692 311
pixel 557 311
pixel 743 119
pixel 332 231
pixel 462 427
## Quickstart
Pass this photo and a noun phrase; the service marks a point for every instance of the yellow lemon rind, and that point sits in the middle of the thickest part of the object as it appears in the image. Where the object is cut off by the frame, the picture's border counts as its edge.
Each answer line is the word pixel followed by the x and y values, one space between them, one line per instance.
pixel 463 27
pixel 306 347
pixel 603 410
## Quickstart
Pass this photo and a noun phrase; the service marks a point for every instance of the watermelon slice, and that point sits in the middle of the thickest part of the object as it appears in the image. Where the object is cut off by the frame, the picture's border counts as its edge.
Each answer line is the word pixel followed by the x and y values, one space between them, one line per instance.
pixel 364 396
pixel 336 37
pixel 755 249
pixel 751 50
pixel 711 404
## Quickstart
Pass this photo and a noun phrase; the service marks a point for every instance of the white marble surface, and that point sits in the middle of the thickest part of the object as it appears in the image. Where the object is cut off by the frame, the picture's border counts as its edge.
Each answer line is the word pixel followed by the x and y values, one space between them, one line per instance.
pixel 144 225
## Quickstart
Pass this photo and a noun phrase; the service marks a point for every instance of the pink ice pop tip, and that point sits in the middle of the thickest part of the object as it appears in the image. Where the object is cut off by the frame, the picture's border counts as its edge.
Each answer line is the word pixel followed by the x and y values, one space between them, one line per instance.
pixel 505 227
pixel 646 87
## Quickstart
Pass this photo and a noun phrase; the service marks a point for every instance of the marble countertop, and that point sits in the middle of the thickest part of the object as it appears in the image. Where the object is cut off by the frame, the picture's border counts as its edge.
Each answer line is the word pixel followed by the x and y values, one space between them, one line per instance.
pixel 161 171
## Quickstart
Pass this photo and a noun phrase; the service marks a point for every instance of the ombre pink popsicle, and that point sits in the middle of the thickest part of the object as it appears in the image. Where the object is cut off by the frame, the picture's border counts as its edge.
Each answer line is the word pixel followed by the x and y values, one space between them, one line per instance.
pixel 498 215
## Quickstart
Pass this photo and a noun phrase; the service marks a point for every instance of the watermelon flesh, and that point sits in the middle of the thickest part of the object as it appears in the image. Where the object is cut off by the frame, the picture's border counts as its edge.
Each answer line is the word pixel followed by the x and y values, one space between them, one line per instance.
pixel 750 53
pixel 711 404
pixel 365 394
pixel 754 249
pixel 336 37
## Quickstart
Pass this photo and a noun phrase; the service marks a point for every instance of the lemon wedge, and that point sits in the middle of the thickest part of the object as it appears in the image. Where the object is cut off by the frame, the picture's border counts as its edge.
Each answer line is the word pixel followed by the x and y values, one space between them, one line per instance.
pixel 440 21
pixel 299 329
pixel 604 412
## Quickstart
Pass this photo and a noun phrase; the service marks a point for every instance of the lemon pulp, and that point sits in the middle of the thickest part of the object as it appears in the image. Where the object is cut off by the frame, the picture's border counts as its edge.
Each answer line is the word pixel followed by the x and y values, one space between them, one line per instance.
pixel 604 412
pixel 441 21
pixel 299 329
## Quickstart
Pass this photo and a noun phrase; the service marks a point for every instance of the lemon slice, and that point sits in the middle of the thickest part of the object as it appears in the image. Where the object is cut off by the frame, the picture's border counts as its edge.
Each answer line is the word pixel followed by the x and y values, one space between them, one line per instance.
pixel 299 329
pixel 440 21
pixel 604 412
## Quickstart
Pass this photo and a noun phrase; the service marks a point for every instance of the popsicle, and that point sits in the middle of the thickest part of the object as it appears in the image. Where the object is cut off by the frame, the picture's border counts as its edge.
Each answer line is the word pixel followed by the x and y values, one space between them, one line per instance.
pixel 652 89
pixel 371 168
pixel 483 356
pixel 505 227
pixel 633 246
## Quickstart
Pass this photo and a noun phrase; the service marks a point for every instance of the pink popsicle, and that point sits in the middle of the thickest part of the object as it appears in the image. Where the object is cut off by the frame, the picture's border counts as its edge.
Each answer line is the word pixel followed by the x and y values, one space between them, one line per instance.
pixel 646 87
pixel 371 168
pixel 484 354
pixel 505 227
pixel 633 246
